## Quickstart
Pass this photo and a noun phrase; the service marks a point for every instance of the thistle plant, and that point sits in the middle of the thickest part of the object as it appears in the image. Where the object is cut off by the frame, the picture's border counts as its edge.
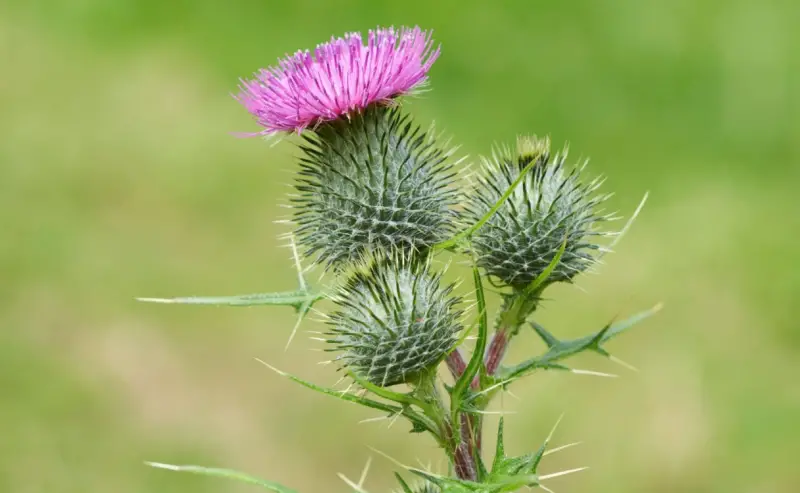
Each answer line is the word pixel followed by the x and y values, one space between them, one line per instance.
pixel 380 207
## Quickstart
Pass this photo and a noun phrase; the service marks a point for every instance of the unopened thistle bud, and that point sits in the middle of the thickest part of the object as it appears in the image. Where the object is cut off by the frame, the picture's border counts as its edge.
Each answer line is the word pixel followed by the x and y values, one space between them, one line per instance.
pixel 551 207
pixel 394 321
pixel 372 183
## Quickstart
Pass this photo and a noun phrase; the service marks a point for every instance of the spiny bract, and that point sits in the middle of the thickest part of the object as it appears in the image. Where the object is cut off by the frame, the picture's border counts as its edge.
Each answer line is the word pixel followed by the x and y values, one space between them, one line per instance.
pixel 548 208
pixel 393 321
pixel 373 182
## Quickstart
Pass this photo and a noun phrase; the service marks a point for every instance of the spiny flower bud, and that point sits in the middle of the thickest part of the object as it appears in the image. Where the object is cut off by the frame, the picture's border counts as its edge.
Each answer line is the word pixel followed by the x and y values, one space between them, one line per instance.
pixel 372 182
pixel 550 207
pixel 393 321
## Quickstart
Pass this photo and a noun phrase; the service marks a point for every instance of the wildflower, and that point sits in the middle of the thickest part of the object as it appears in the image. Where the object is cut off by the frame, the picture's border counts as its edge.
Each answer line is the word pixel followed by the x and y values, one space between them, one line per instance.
pixel 342 76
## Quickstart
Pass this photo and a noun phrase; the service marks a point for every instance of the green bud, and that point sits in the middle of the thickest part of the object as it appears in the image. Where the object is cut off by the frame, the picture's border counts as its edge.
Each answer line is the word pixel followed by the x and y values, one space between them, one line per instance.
pixel 373 182
pixel 550 207
pixel 394 321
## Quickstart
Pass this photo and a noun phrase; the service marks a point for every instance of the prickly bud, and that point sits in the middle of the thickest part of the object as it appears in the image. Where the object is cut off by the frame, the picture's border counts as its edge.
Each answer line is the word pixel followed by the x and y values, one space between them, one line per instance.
pixel 372 182
pixel 394 321
pixel 551 207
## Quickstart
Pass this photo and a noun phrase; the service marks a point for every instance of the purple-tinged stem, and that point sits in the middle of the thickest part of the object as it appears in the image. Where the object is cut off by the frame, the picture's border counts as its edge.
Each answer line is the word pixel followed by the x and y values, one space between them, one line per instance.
pixel 455 362
pixel 496 351
pixel 457 365
pixel 463 460
pixel 468 447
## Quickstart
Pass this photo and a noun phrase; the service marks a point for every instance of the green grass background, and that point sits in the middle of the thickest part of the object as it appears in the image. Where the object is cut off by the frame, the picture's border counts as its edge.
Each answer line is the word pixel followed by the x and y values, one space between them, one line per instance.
pixel 119 177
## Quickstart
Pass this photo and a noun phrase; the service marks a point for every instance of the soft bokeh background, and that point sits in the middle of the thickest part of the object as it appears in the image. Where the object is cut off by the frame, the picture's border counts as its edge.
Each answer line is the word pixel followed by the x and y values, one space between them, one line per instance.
pixel 119 177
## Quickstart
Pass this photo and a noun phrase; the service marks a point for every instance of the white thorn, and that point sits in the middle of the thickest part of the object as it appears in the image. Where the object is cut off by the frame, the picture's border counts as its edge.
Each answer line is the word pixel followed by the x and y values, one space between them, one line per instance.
pixel 559 449
pixel 594 373
pixel 548 490
pixel 373 420
pixel 387 456
pixel 630 221
pixel 623 363
pixel 161 465
pixel 553 430
pixel 364 472
pixel 492 387
pixel 279 372
pixel 298 266
pixel 294 330
pixel 351 484
pixel 562 473
pixel 157 300
pixel 500 413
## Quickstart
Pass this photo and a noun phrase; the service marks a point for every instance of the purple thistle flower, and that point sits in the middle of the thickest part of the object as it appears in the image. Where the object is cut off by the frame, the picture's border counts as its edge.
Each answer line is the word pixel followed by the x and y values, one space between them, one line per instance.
pixel 342 76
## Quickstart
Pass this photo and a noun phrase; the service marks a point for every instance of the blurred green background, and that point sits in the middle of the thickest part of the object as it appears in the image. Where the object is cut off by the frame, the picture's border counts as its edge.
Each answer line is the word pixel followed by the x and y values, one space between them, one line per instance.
pixel 119 177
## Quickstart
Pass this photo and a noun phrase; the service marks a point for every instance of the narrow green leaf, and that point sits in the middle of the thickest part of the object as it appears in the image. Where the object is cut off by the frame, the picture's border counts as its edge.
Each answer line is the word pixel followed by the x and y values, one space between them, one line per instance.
pixel 481 466
pixel 627 226
pixel 475 362
pixel 522 369
pixel 387 394
pixel 542 278
pixel 465 333
pixel 623 325
pixel 433 478
pixel 415 418
pixel 514 483
pixel 455 240
pixel 296 299
pixel 545 335
pixel 301 311
pixel 345 396
pixel 403 484
pixel 540 453
pixel 225 473
pixel 445 482
pixel 500 450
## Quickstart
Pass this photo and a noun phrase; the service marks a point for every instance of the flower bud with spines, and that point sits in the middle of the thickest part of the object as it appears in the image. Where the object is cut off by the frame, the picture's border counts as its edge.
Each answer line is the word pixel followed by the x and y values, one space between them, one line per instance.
pixel 394 321
pixel 372 181
pixel 551 207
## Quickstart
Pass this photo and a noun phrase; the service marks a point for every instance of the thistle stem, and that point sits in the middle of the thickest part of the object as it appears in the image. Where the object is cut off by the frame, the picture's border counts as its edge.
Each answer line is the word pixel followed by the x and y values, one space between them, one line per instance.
pixel 496 350
pixel 466 443
pixel 466 438
pixel 455 363
pixel 463 459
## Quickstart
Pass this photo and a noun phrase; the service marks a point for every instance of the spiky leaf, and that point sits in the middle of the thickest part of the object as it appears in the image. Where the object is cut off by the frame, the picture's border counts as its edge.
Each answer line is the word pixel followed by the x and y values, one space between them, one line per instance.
pixel 225 473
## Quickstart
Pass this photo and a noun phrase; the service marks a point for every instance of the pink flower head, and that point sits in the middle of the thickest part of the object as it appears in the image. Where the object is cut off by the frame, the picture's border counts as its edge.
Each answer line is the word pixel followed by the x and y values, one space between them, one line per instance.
pixel 342 76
